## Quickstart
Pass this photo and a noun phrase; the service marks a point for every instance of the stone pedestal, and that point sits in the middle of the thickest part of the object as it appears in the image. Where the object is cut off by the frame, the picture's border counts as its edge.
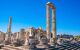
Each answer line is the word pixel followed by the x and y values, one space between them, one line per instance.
pixel 32 43
pixel 43 44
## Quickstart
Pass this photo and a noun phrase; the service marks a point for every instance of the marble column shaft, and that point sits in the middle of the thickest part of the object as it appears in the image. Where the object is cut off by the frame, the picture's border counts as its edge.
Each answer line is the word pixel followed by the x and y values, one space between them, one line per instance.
pixel 53 25
pixel 48 21
pixel 9 26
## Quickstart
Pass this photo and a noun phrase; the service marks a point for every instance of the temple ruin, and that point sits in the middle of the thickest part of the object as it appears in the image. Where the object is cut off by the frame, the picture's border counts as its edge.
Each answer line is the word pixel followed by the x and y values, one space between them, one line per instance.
pixel 32 38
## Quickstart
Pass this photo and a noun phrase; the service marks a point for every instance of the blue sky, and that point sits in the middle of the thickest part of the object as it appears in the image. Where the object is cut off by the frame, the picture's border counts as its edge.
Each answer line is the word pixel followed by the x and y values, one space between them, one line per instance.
pixel 27 13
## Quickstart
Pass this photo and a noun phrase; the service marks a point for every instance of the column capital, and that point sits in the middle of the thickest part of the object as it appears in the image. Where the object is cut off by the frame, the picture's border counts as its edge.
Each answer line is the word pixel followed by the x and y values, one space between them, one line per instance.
pixel 53 7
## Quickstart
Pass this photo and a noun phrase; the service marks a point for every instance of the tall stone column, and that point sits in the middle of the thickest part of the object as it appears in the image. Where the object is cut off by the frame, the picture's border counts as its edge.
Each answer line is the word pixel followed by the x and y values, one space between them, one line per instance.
pixel 8 33
pixel 9 26
pixel 48 21
pixel 53 24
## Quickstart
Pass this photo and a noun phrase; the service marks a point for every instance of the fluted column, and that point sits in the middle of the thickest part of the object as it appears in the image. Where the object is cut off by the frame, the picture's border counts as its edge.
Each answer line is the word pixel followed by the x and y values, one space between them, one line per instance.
pixel 48 21
pixel 9 26
pixel 53 25
pixel 8 35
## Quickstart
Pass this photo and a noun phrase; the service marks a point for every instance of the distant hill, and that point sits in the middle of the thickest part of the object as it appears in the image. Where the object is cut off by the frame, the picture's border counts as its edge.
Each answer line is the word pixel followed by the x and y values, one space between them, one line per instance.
pixel 65 36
